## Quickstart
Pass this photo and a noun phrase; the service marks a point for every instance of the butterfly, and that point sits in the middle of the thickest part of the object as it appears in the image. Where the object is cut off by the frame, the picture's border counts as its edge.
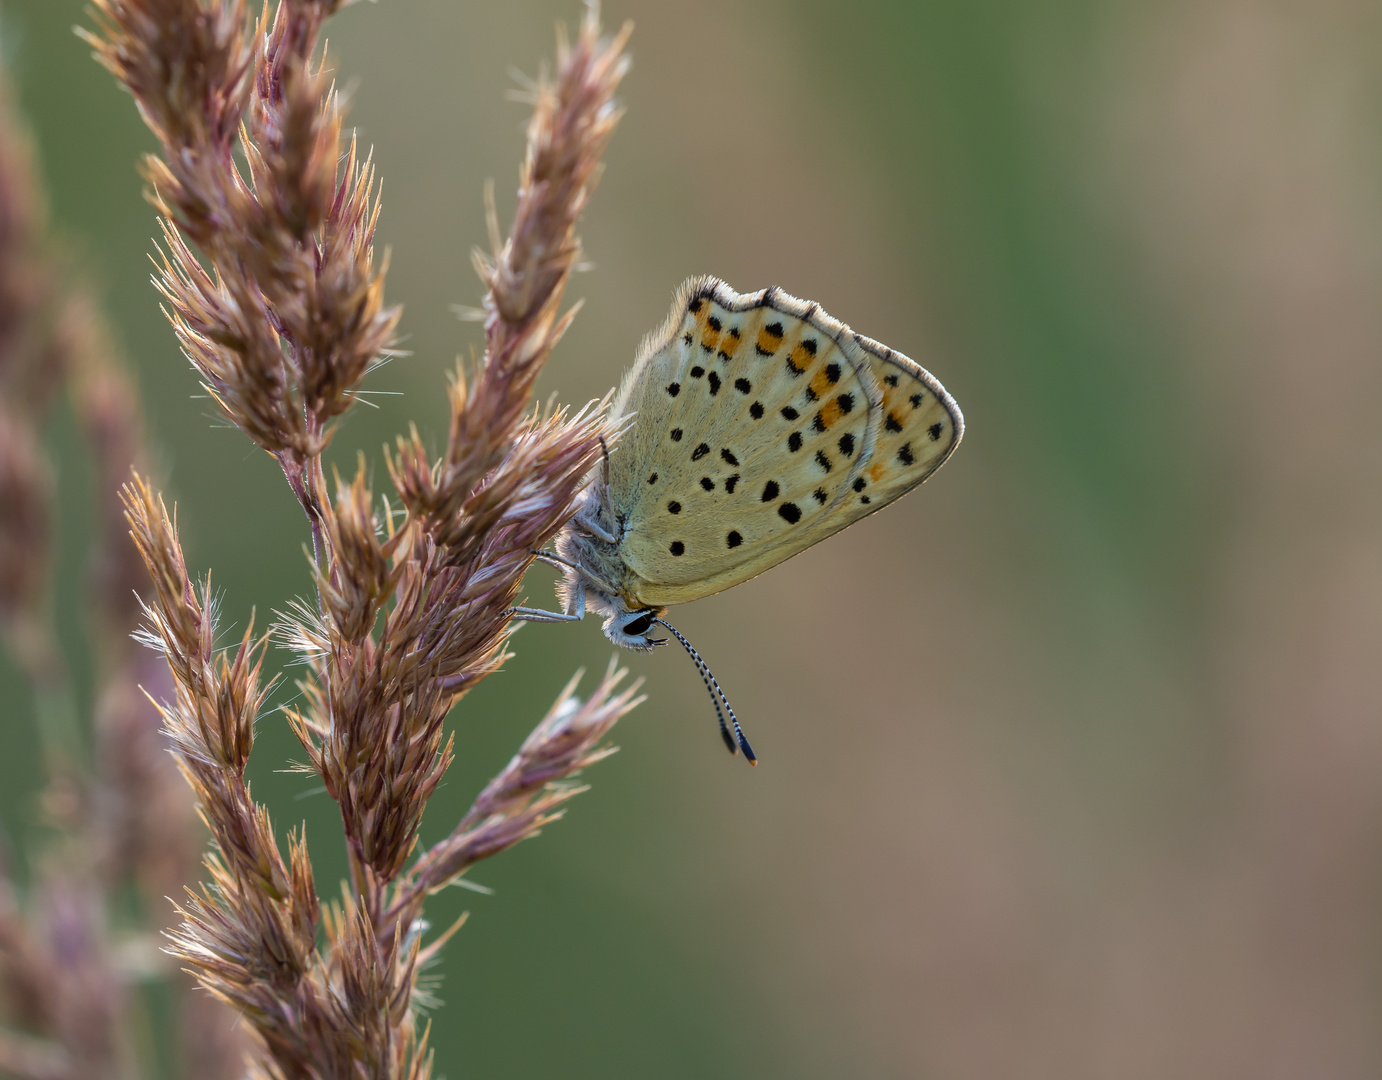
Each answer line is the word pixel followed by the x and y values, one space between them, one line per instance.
pixel 760 426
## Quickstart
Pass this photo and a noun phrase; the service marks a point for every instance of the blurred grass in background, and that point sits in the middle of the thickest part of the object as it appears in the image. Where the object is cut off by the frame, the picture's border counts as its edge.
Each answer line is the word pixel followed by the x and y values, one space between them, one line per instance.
pixel 1072 760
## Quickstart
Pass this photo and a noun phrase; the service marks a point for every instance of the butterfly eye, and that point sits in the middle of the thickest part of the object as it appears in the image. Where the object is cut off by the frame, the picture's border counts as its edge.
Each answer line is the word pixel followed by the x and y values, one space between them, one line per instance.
pixel 639 625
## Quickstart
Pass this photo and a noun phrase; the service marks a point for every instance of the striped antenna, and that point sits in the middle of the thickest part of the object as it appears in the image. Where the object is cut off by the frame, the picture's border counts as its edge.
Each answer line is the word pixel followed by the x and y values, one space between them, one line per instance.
pixel 716 696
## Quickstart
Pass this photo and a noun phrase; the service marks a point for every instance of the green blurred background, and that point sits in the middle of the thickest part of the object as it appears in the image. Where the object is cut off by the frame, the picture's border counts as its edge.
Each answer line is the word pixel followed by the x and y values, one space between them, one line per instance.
pixel 1072 761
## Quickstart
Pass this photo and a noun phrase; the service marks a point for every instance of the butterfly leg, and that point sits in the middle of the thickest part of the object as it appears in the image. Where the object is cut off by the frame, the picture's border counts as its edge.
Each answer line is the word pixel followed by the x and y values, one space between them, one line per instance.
pixel 528 614
pixel 585 575
pixel 538 615
pixel 590 521
pixel 597 530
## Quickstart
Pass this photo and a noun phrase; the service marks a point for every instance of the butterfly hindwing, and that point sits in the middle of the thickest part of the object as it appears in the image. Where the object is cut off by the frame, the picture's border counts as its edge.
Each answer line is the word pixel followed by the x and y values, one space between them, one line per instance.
pixel 919 426
pixel 761 423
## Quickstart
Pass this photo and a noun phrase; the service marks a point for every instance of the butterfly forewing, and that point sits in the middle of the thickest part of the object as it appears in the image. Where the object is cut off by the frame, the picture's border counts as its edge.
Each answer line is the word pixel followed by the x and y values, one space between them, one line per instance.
pixel 762 426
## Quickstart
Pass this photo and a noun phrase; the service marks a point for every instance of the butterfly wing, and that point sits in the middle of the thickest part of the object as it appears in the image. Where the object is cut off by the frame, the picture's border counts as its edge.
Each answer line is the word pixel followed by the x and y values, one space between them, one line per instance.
pixel 762 426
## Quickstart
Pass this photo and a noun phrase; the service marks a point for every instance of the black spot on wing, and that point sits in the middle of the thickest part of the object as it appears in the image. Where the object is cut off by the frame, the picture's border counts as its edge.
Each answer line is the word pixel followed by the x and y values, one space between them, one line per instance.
pixel 860 483
pixel 891 424
pixel 714 381
pixel 823 461
pixel 734 539
pixel 677 548
pixel 707 483
pixel 727 456
pixel 700 451
pixel 905 454
pixel 652 479
pixel 935 430
pixel 743 386
pixel 891 380
pixel 676 434
pixel 756 410
pixel 674 507
pixel 819 495
pixel 832 373
pixel 846 444
pixel 789 512
pixel 794 441
pixel 789 413
pixel 674 388
pixel 687 338
pixel 731 482
pixel 915 399
pixel 846 403
pixel 770 491
pixel 697 371
pixel 714 323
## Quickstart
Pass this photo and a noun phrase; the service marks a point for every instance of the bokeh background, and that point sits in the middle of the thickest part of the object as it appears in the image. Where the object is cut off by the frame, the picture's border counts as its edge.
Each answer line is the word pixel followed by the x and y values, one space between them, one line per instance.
pixel 1072 760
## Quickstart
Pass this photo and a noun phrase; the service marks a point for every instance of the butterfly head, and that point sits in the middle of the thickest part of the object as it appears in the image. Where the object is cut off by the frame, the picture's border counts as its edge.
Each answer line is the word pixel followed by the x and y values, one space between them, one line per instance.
pixel 634 629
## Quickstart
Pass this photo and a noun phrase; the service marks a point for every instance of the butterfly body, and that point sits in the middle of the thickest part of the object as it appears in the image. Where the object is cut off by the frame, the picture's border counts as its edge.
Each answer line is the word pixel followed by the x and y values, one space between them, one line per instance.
pixel 761 425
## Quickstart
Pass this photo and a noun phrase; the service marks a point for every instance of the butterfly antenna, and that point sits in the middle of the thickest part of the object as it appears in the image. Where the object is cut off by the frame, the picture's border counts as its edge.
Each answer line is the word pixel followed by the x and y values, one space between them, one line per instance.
pixel 717 696
pixel 608 498
pixel 604 453
pixel 710 687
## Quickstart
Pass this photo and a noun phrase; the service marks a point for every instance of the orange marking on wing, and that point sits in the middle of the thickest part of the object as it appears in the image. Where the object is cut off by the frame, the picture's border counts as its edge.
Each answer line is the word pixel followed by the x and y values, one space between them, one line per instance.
pixel 710 338
pixel 830 413
pixel 820 381
pixel 768 343
pixel 729 344
pixel 876 471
